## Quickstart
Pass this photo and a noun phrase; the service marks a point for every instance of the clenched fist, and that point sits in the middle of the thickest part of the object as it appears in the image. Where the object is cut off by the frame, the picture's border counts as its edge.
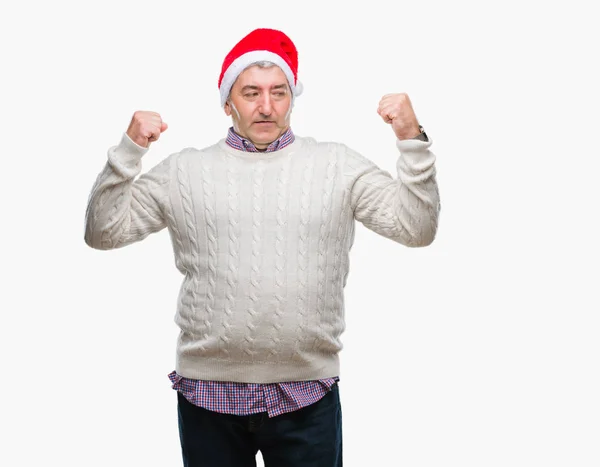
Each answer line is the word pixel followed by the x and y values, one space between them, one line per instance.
pixel 145 127
pixel 397 110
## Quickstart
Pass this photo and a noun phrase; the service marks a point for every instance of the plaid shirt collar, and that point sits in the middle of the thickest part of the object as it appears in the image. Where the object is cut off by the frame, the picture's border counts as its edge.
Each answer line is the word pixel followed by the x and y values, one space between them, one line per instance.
pixel 242 144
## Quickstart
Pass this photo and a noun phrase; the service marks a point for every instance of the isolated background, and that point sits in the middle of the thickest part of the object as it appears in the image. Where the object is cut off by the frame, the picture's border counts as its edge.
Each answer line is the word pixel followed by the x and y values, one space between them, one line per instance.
pixel 480 350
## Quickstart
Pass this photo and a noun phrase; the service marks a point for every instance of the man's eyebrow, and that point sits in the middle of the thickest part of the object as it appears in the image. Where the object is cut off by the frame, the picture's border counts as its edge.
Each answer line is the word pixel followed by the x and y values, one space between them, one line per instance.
pixel 252 87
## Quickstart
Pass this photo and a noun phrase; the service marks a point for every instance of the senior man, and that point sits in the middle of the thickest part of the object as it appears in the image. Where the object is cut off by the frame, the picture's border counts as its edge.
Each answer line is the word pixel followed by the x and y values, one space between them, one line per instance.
pixel 261 224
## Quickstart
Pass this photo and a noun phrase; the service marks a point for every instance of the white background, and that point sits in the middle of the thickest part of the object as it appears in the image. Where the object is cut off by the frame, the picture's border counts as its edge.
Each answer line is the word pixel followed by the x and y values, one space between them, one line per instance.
pixel 479 350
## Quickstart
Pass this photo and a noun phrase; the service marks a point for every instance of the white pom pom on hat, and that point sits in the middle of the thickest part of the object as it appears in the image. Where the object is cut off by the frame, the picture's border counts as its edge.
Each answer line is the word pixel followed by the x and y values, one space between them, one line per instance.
pixel 261 44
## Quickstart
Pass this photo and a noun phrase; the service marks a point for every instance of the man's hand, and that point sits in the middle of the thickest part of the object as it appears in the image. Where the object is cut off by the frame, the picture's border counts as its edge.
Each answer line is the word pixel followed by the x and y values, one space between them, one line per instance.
pixel 397 110
pixel 145 127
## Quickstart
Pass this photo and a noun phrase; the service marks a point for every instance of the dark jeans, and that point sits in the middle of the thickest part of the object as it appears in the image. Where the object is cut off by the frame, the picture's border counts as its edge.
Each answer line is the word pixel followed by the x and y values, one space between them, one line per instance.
pixel 308 437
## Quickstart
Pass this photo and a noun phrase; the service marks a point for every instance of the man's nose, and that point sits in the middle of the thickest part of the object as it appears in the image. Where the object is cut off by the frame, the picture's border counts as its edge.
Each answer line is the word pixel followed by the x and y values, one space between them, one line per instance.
pixel 265 106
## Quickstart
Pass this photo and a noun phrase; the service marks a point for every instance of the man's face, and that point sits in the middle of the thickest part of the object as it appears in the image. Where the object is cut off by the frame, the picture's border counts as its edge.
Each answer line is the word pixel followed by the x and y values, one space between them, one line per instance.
pixel 262 98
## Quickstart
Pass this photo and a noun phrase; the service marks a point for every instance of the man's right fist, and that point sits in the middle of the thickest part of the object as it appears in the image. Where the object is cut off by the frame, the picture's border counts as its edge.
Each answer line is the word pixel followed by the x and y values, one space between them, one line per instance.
pixel 145 127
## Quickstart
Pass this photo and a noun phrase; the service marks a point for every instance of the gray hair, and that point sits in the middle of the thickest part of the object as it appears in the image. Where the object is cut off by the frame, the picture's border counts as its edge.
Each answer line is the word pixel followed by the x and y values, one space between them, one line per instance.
pixel 263 64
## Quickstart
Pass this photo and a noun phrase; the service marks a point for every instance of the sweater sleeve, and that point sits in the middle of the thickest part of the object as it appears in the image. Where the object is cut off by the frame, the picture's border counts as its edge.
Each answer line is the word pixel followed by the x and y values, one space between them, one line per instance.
pixel 404 209
pixel 122 210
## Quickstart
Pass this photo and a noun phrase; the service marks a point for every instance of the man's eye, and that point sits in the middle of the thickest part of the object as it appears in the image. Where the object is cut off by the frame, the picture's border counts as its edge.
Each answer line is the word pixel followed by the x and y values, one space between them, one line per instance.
pixel 251 94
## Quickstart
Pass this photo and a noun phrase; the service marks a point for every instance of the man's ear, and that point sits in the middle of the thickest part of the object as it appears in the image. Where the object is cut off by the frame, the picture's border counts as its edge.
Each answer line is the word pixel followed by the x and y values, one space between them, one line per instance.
pixel 227 108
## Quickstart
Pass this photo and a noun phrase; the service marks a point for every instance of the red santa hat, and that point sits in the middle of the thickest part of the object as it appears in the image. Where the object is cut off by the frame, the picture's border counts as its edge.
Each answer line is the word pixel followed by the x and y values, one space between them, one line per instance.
pixel 260 45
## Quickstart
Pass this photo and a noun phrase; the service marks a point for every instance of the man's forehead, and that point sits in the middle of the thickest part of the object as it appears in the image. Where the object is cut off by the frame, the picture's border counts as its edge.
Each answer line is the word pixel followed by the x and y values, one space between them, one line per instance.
pixel 258 75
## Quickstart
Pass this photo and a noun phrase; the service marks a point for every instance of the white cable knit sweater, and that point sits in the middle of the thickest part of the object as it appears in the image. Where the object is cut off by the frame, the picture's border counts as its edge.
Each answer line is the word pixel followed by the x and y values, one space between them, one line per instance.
pixel 262 240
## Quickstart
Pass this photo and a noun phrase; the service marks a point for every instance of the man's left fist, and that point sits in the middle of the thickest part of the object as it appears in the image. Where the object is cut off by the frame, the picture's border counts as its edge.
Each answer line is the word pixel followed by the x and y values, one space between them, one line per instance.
pixel 397 110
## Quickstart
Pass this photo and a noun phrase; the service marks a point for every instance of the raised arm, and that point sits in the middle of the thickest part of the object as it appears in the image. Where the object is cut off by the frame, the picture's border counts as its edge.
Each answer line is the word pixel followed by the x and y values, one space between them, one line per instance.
pixel 403 208
pixel 122 210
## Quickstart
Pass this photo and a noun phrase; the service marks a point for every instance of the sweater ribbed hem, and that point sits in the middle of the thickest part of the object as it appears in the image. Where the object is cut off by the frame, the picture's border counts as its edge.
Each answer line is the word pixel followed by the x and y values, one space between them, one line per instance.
pixel 211 369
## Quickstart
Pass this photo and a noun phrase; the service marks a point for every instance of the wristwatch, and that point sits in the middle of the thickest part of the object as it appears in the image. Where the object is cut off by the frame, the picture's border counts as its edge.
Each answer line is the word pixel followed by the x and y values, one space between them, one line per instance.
pixel 421 136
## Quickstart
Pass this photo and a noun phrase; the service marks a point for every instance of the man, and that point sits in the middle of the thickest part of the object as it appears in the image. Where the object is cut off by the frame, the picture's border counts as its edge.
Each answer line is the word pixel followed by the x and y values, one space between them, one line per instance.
pixel 261 225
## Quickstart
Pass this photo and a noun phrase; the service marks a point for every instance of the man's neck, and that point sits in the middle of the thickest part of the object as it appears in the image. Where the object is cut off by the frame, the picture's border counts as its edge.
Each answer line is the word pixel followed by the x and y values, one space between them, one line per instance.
pixel 261 147
pixel 243 142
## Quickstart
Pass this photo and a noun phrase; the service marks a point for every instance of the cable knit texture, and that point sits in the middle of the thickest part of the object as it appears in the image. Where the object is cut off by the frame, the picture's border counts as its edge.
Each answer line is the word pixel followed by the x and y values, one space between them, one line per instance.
pixel 262 240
